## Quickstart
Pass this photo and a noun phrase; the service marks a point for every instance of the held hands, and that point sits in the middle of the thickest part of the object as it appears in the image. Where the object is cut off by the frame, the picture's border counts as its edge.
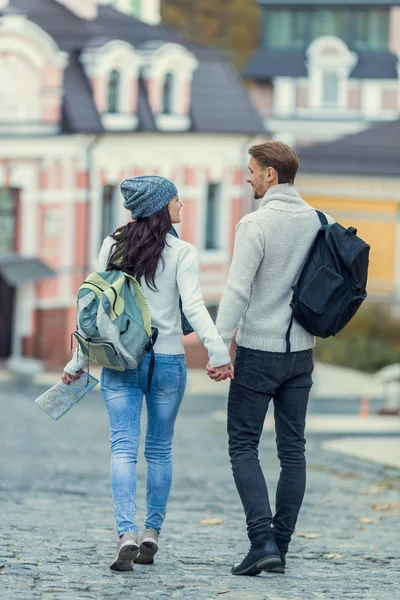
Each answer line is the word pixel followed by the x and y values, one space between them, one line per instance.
pixel 220 373
pixel 67 378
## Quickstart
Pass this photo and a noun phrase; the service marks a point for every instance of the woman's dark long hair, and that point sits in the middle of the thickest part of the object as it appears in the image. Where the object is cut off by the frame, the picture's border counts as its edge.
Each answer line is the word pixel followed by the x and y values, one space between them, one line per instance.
pixel 139 244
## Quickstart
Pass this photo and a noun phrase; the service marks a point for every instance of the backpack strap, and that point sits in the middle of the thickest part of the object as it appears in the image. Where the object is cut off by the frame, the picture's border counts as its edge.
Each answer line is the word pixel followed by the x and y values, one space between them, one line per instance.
pixel 150 348
pixel 322 217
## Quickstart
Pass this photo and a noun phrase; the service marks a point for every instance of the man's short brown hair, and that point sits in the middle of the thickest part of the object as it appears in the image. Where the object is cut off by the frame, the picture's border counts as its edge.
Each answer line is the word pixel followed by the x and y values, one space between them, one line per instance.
pixel 278 155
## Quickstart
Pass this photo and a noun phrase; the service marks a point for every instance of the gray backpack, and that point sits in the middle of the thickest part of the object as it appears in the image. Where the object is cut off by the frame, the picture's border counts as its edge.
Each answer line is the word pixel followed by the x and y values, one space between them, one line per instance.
pixel 113 322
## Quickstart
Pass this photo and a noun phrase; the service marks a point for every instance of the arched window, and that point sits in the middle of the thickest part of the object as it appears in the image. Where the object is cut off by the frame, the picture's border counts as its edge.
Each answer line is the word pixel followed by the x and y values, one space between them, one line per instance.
pixel 113 92
pixel 168 94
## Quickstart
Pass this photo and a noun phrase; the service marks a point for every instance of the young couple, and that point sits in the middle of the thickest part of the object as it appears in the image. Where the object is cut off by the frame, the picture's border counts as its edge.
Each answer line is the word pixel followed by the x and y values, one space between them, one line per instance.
pixel 270 247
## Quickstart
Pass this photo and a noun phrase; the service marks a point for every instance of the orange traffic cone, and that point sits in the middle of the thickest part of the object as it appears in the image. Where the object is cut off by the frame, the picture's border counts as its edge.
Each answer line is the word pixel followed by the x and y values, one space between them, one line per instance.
pixel 364 407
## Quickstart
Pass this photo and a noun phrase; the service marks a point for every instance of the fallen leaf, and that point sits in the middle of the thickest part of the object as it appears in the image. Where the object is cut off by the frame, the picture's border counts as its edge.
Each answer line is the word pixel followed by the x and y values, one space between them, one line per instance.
pixel 331 555
pixel 309 536
pixel 361 528
pixel 386 506
pixel 211 521
pixel 374 489
pixel 341 475
pixel 367 520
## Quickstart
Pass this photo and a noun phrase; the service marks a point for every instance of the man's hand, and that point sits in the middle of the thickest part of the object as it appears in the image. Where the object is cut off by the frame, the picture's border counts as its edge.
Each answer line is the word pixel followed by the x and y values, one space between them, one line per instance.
pixel 220 373
pixel 67 378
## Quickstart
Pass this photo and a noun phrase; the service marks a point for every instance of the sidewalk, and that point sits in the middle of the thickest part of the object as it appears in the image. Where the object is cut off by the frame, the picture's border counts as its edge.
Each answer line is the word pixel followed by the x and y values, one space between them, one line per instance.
pixel 330 383
pixel 384 451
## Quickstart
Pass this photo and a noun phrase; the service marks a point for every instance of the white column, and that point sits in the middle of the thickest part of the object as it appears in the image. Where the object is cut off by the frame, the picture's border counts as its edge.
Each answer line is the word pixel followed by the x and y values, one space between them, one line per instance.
pixel 371 99
pixel 25 177
pixel 285 96
pixel 151 12
pixel 66 229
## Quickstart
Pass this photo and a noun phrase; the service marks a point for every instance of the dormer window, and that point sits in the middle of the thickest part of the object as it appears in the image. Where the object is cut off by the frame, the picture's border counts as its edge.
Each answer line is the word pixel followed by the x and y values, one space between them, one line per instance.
pixel 113 92
pixel 168 95
pixel 113 69
pixel 330 63
pixel 169 73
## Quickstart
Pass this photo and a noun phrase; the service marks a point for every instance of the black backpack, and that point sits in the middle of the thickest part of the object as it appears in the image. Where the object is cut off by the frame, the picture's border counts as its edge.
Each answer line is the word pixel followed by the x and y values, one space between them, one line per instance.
pixel 331 285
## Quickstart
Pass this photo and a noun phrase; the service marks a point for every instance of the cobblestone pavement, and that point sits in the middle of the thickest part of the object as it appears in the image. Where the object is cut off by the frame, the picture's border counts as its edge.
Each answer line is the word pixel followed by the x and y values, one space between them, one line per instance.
pixel 57 530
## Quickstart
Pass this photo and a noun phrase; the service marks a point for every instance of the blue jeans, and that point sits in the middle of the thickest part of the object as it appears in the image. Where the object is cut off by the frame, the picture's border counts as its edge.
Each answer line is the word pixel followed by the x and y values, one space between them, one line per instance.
pixel 259 377
pixel 123 395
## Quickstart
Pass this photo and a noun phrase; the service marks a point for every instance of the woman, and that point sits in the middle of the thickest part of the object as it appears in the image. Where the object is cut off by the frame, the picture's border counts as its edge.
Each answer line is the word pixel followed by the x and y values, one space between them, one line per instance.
pixel 168 270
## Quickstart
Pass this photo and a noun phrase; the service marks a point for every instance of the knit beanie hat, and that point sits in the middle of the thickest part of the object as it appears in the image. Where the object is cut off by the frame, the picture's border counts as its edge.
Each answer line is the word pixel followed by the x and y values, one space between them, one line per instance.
pixel 147 194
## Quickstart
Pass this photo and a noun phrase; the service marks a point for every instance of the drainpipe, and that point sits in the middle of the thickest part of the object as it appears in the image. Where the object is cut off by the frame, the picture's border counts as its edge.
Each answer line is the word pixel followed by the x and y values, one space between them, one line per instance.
pixel 89 198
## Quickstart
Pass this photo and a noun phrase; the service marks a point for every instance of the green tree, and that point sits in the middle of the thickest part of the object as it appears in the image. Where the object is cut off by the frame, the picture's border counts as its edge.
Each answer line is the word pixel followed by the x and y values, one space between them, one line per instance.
pixel 232 26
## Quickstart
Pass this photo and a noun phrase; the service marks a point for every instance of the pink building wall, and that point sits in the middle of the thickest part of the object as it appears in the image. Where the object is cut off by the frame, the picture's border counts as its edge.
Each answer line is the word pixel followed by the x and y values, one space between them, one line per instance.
pixel 262 96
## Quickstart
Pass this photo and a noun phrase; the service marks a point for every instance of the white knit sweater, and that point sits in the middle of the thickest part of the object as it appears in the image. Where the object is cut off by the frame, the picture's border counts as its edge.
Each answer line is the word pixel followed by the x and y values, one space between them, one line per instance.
pixel 178 277
pixel 271 246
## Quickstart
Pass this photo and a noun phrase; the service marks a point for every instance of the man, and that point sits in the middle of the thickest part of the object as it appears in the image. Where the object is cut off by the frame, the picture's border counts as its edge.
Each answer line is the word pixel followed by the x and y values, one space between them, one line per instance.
pixel 271 246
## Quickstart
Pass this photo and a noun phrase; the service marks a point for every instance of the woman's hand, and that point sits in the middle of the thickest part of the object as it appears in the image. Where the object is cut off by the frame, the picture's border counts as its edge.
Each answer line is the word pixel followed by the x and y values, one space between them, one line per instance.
pixel 221 373
pixel 67 378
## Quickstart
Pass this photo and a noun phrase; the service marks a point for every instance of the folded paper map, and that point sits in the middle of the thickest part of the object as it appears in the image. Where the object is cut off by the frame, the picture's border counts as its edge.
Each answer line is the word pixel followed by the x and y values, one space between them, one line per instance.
pixel 59 399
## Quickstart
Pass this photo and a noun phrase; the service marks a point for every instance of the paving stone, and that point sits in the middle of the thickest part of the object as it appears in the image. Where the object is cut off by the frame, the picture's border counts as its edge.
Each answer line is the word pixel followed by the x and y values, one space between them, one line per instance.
pixel 57 530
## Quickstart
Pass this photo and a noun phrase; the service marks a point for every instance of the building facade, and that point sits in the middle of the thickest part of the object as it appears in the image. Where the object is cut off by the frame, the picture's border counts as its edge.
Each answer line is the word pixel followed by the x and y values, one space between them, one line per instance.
pixel 90 95
pixel 357 181
pixel 326 69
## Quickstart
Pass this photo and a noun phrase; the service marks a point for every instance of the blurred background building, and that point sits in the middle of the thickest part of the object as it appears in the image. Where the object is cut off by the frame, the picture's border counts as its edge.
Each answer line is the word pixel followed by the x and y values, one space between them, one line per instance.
pixel 357 180
pixel 89 95
pixel 326 69
pixel 93 91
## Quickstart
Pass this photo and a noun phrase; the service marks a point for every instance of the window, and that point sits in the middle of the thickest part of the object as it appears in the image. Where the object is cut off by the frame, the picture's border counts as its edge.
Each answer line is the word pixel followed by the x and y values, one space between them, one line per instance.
pixel 167 94
pixel 330 88
pixel 109 222
pixel 212 241
pixel 329 22
pixel 298 28
pixel 136 8
pixel 371 29
pixel 286 29
pixel 113 92
pixel 8 220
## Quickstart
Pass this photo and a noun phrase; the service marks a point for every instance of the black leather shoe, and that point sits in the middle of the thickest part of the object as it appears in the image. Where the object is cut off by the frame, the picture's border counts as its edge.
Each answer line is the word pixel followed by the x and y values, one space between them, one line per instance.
pixel 261 557
pixel 280 568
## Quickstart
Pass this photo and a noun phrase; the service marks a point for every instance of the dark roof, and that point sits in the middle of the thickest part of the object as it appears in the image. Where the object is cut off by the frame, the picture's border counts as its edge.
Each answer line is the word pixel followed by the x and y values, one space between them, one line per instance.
pixel 80 113
pixel 313 3
pixel 373 152
pixel 267 63
pixel 72 34
pixel 214 106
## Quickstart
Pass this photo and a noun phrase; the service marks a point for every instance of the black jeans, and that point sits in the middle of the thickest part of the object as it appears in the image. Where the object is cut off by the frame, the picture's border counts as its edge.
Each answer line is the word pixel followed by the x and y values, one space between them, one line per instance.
pixel 260 376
